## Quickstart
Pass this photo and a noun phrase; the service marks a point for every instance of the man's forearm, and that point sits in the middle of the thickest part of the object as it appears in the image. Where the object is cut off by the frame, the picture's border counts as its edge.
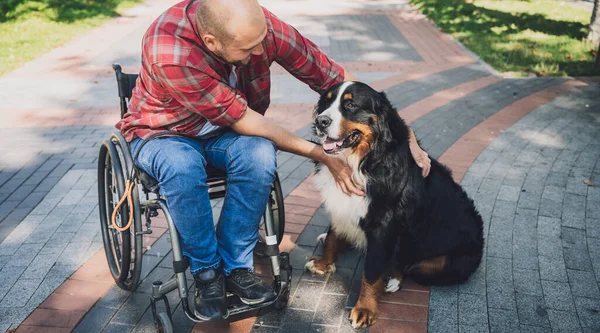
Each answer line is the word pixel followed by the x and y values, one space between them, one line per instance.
pixel 255 124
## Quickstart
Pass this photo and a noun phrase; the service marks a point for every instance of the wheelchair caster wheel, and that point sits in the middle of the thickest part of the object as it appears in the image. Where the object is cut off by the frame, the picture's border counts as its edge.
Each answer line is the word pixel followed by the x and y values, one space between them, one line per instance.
pixel 164 324
pixel 282 302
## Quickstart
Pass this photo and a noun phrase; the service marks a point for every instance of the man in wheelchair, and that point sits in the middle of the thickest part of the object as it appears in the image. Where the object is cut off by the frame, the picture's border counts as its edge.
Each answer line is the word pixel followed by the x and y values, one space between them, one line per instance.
pixel 205 74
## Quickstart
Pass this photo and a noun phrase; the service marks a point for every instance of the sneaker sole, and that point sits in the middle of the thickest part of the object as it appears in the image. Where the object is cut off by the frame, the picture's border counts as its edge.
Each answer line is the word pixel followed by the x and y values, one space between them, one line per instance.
pixel 201 317
pixel 256 301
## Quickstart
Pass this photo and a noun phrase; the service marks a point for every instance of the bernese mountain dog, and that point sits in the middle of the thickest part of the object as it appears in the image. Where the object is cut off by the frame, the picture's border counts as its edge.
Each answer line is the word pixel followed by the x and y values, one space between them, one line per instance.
pixel 408 225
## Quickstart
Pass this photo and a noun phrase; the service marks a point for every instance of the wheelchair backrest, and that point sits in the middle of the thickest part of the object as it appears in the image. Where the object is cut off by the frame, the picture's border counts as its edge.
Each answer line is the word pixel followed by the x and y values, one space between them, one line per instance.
pixel 125 83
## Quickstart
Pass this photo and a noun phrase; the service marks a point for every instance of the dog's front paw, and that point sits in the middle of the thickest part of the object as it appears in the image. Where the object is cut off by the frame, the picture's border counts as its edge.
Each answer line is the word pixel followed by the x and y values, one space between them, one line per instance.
pixel 361 317
pixel 316 266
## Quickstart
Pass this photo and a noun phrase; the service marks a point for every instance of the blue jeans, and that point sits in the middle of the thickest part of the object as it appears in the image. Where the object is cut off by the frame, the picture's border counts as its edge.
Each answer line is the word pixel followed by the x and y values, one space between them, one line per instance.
pixel 178 164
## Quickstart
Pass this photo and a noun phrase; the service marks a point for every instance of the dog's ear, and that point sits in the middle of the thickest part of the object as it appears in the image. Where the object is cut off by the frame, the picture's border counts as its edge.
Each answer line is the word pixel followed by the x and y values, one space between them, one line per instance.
pixel 381 110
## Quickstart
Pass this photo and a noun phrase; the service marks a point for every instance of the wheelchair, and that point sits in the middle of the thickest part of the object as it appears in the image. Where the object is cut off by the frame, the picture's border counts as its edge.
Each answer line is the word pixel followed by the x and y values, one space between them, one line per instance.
pixel 122 232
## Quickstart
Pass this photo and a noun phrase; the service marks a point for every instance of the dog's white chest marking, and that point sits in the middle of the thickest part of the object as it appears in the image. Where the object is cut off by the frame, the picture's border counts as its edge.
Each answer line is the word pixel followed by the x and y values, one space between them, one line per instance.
pixel 346 211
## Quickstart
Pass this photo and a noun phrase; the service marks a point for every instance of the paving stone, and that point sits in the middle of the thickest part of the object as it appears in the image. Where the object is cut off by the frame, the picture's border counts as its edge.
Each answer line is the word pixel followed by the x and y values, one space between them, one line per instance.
pixel 20 293
pixel 549 226
pixel 563 321
pixel 583 284
pixel 310 234
pixel 296 321
pixel 527 281
pixel 95 320
pixel 472 310
pixel 588 311
pixel 558 295
pixel 443 320
pixel 552 269
pixel 550 208
pixel 504 209
pixel 503 321
pixel 330 309
pixel 592 227
pixel 509 193
pixel 577 259
pixel 132 310
pixel 501 295
pixel 339 282
pixel 532 311
pixel 306 294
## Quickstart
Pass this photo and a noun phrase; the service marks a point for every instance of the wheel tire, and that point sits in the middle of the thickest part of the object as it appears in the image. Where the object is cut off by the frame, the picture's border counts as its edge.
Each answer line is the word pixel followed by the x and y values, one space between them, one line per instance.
pixel 282 302
pixel 278 209
pixel 136 238
pixel 111 186
pixel 165 325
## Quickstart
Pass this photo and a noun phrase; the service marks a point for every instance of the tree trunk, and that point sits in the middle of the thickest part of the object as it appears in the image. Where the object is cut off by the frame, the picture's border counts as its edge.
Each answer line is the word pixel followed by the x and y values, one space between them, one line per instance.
pixel 594 30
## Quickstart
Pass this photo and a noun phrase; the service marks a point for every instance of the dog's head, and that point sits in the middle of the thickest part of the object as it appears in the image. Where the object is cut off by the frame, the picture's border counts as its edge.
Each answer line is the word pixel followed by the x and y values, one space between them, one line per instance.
pixel 350 117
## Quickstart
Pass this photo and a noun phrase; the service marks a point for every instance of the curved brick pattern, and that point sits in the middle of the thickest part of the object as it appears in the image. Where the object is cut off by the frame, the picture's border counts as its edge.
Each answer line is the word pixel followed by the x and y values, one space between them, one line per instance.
pixel 540 271
pixel 541 264
pixel 407 93
pixel 440 128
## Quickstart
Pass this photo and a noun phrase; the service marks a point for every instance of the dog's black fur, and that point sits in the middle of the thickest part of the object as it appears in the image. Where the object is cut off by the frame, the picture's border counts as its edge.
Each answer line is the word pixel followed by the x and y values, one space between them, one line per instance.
pixel 410 218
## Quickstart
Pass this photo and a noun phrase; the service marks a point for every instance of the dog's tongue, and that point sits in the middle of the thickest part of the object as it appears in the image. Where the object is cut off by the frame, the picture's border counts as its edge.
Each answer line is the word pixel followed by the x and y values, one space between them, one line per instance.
pixel 329 144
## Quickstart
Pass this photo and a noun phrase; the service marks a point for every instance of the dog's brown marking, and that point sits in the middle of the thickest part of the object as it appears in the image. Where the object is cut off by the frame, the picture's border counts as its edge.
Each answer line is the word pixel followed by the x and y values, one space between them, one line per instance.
pixel 329 95
pixel 432 266
pixel 364 313
pixel 333 245
pixel 399 275
pixel 367 136
pixel 347 96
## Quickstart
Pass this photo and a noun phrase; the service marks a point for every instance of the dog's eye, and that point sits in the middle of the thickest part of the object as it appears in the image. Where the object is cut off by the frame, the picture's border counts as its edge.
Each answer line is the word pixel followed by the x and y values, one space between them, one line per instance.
pixel 351 105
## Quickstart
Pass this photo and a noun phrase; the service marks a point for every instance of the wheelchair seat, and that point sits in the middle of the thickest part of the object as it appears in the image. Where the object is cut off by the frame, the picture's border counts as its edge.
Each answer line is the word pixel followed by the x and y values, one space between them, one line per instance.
pixel 215 178
pixel 126 83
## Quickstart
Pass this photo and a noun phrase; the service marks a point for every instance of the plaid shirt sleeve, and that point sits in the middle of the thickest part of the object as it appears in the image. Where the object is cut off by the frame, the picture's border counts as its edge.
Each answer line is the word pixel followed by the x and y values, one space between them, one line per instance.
pixel 303 58
pixel 199 93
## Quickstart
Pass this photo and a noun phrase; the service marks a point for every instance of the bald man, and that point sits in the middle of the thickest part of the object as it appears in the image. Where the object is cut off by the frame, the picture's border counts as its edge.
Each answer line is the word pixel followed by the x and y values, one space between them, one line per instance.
pixel 205 74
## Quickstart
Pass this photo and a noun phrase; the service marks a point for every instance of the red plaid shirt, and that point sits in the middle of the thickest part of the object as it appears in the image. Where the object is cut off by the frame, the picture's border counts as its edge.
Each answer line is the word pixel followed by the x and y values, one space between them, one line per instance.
pixel 182 85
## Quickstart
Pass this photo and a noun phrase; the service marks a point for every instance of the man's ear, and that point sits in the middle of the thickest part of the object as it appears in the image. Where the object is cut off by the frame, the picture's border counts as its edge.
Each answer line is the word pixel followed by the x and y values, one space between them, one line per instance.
pixel 211 42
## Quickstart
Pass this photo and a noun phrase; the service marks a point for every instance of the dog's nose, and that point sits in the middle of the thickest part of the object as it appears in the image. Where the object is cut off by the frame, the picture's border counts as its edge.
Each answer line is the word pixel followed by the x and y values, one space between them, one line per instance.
pixel 323 122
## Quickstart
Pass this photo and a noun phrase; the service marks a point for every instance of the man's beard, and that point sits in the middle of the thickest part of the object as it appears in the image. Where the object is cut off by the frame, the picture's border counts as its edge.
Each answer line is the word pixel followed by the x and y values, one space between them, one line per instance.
pixel 236 63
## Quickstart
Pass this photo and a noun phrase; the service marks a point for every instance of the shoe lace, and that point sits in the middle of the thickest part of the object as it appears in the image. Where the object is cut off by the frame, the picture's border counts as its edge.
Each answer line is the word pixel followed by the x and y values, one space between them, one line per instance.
pixel 213 286
pixel 245 277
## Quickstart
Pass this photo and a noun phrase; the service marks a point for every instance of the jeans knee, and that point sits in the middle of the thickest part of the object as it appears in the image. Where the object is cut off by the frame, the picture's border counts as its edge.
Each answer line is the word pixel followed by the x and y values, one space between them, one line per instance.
pixel 257 156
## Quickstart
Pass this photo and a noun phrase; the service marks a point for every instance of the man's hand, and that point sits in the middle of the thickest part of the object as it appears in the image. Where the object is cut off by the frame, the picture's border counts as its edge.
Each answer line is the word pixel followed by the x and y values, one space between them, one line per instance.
pixel 420 156
pixel 342 174
pixel 252 123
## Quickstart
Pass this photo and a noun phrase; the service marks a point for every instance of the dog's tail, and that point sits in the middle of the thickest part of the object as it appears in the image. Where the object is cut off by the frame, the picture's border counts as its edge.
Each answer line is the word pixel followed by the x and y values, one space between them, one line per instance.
pixel 445 270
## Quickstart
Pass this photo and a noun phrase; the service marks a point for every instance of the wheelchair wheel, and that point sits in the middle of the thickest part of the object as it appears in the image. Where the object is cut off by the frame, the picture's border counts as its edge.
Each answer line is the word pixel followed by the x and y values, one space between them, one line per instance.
pixel 276 207
pixel 111 186
pixel 136 236
pixel 123 249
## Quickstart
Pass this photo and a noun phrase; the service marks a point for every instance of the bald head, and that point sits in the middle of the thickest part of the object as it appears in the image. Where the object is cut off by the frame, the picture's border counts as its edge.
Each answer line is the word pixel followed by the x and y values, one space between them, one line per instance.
pixel 229 20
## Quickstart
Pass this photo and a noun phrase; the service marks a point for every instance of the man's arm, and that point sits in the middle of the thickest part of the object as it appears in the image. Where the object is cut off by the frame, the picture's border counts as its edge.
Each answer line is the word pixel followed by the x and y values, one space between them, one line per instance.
pixel 254 124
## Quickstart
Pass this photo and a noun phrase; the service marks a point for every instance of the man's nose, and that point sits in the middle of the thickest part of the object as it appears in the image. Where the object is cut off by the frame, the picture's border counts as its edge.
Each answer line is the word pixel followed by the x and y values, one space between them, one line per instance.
pixel 323 122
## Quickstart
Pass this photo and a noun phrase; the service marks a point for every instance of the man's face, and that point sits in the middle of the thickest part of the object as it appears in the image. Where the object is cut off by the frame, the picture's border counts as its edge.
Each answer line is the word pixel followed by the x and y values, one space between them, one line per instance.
pixel 239 51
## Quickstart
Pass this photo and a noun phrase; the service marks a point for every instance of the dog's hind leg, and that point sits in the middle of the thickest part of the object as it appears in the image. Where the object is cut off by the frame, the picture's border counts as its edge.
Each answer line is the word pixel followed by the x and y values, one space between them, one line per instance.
pixel 445 270
pixel 395 282
pixel 326 263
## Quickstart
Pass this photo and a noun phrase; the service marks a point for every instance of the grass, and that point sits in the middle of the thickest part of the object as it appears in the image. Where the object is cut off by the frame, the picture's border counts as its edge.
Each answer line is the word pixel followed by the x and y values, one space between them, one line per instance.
pixel 31 28
pixel 541 37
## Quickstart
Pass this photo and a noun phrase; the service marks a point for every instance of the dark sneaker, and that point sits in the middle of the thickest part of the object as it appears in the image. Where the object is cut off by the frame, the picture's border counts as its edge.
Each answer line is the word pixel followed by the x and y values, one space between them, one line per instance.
pixel 210 297
pixel 250 288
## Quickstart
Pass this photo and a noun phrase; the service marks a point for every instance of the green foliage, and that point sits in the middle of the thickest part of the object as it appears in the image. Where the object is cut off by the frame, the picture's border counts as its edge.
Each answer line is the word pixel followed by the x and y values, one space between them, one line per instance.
pixel 543 37
pixel 28 28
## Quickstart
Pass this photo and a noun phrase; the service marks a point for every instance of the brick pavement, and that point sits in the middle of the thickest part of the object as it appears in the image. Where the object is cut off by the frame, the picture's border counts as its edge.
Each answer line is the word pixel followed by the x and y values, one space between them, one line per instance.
pixel 521 148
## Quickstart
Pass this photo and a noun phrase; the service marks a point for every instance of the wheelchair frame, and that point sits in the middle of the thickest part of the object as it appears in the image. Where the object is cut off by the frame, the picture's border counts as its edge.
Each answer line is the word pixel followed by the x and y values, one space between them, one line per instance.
pixel 115 166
